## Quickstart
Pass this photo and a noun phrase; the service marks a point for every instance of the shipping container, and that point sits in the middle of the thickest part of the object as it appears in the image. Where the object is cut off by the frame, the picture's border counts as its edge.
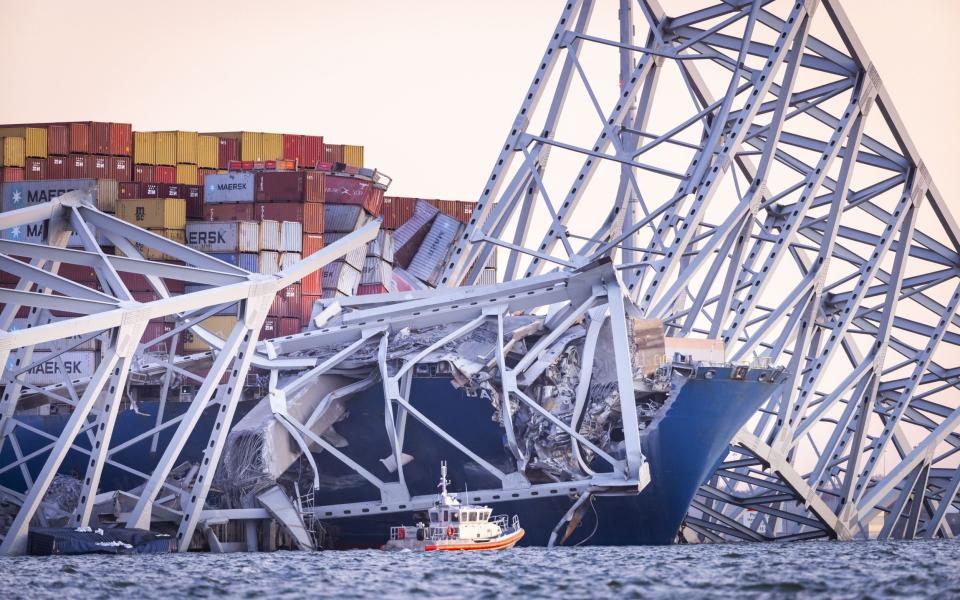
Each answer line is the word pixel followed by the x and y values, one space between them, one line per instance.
pixel 287 302
pixel 428 262
pixel 208 152
pixel 34 169
pixel 353 155
pixel 128 189
pixel 98 167
pixel 288 326
pixel 14 154
pixel 27 193
pixel 166 147
pixel 58 140
pixel 279 186
pixel 368 289
pixel 186 147
pixel 488 276
pixel 332 153
pixel 279 211
pixel 121 139
pixel 312 152
pixel 347 189
pixel 68 365
pixel 56 167
pixel 269 262
pixel 176 235
pixel 288 259
pixel 11 174
pixel 381 246
pixel 107 194
pixel 229 188
pixel 270 329
pixel 165 174
pixel 187 174
pixel 155 329
pixel 340 277
pixel 356 257
pixel 272 147
pixel 100 138
pixel 34 140
pixel 229 149
pixel 270 235
pixel 154 213
pixel 313 186
pixel 118 168
pixel 219 325
pixel 77 166
pixel 408 237
pixel 143 173
pixel 342 218
pixel 311 243
pixel 79 138
pixel 229 212
pixel 145 147
pixel 376 271
pixel 306 309
pixel 293 147
pixel 230 236
pixel 291 236
pixel 313 215
pixel 397 211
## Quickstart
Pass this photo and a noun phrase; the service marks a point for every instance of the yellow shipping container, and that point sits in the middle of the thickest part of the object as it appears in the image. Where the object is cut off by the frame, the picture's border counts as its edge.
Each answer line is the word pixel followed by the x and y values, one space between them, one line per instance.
pixel 167 148
pixel 208 152
pixel 272 146
pixel 13 152
pixel 353 155
pixel 154 213
pixel 144 148
pixel 177 235
pixel 251 145
pixel 187 147
pixel 187 174
pixel 219 325
pixel 35 139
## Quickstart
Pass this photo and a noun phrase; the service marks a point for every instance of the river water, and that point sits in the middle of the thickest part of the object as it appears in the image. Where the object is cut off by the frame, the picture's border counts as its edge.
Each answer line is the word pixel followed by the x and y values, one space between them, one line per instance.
pixel 914 569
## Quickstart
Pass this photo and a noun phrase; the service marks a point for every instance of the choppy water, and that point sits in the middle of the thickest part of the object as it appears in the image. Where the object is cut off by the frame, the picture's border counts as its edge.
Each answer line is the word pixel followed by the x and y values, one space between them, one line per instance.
pixel 917 569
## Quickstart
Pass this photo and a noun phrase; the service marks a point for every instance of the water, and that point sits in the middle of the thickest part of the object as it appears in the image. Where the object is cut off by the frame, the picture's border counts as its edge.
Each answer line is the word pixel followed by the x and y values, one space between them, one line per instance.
pixel 916 569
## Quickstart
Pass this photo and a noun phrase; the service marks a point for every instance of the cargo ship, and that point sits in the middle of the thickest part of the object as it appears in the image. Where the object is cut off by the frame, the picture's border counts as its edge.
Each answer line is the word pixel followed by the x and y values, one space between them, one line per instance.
pixel 260 201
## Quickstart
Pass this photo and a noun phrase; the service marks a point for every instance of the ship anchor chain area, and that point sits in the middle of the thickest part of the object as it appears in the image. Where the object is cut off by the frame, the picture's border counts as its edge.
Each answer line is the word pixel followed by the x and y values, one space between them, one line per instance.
pixel 718 302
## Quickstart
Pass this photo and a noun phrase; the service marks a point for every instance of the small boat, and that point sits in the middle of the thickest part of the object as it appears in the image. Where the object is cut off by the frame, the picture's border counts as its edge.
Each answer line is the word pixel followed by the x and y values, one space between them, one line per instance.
pixel 455 526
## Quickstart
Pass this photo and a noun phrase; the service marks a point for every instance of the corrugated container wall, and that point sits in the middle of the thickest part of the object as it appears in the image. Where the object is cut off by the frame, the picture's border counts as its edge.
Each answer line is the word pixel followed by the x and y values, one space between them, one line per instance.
pixel 222 237
pixel 208 152
pixel 99 138
pixel 407 238
pixel 58 140
pixel 228 150
pixel 187 147
pixel 13 152
pixel 288 259
pixel 340 277
pixel 356 257
pixel 272 146
pixel 107 195
pixel 269 262
pixel 291 236
pixel 437 244
pixel 251 145
pixel 187 174
pixel 166 148
pixel 121 139
pixel 35 140
pixel 69 365
pixel 35 169
pixel 353 155
pixel 312 150
pixel 154 213
pixel 229 188
pixel 270 235
pixel 314 187
pixel 79 138
pixel 342 218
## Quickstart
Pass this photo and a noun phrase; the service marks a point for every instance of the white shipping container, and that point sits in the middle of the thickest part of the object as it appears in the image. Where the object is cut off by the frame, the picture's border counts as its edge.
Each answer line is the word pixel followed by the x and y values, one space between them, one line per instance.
pixel 269 262
pixel 288 259
pixel 228 188
pixel 355 258
pixel 270 235
pixel 382 246
pixel 291 236
pixel 427 263
pixel 340 277
pixel 57 345
pixel 376 271
pixel 223 236
pixel 69 365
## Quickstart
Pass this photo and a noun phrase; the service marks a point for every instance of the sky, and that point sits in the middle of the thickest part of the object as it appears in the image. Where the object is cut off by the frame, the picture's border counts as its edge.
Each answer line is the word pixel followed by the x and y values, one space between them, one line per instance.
pixel 429 87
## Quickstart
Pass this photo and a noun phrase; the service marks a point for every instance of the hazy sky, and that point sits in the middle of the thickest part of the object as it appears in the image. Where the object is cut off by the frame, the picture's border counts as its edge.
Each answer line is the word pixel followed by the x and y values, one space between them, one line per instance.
pixel 429 87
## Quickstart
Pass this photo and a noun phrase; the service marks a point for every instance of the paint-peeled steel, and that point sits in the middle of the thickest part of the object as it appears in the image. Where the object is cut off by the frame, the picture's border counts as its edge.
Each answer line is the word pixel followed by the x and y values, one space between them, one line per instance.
pixel 13 152
pixel 269 262
pixel 79 138
pixel 279 186
pixel 356 257
pixel 166 153
pixel 353 155
pixel 270 235
pixel 342 218
pixel 381 246
pixel 154 213
pixel 291 236
pixel 314 188
pixel 437 244
pixel 229 212
pixel 56 167
pixel 229 188
pixel 208 152
pixel 341 277
pixel 376 271
pixel 287 302
pixel 58 140
pixel 52 369
pixel 408 237
pixel 34 169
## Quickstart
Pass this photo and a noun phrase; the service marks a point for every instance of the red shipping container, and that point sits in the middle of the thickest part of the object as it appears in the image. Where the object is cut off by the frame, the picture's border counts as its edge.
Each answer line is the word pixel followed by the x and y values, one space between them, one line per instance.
pixel 312 284
pixel 311 243
pixel 313 186
pixel 99 138
pixel 78 273
pixel 277 186
pixel 98 167
pixel 165 174
pixel 58 140
pixel 35 168
pixel 229 150
pixel 312 151
pixel 121 139
pixel 194 202
pixel 365 289
pixel 278 211
pixel 79 138
pixel 240 211
pixel 293 147
pixel 333 153
pixel 156 328
pixel 149 190
pixel 56 167
pixel 306 308
pixel 289 326
pixel 76 166
pixel 128 190
pixel 119 168
pixel 312 218
pixel 341 189
pixel 170 190
pixel 145 296
pixel 143 172
pixel 287 302
pixel 11 174
pixel 269 329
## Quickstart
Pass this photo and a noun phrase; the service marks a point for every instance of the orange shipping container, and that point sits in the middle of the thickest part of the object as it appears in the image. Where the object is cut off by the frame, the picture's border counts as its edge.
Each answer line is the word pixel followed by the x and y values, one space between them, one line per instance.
pixel 313 187
pixel 313 217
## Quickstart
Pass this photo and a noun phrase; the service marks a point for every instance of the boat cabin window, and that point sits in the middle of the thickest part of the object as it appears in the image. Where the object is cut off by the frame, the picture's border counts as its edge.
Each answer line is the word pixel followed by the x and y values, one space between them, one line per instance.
pixel 455 516
pixel 446 515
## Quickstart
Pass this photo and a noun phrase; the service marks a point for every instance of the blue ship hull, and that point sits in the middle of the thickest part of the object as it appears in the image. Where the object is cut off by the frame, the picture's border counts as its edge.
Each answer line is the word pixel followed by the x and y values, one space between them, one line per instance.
pixel 682 449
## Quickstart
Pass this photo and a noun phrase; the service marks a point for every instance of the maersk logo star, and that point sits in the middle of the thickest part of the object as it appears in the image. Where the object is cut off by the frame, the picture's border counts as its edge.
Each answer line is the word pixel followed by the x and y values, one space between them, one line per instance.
pixel 16 198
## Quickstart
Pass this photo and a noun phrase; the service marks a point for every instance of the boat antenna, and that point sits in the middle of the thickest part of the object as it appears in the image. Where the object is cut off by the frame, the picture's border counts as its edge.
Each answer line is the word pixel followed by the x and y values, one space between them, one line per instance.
pixel 443 477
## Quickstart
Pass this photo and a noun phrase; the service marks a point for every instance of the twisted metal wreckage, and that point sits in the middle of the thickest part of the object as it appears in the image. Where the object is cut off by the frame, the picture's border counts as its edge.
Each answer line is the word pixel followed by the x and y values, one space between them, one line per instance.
pixel 762 191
